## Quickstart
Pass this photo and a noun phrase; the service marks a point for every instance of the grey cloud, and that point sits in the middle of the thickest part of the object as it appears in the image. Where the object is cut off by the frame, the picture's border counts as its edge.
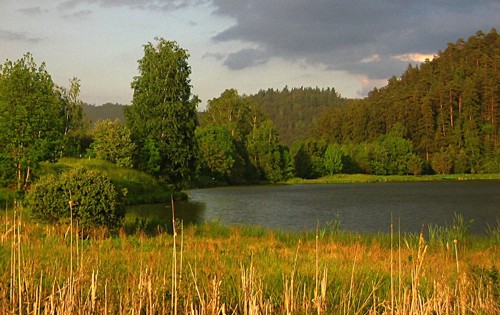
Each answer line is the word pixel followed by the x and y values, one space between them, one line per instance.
pixel 339 34
pixel 32 10
pixel 245 58
pixel 78 14
pixel 11 36
pixel 163 5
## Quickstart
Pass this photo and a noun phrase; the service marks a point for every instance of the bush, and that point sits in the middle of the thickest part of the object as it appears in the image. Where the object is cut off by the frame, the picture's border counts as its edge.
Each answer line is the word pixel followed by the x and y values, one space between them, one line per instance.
pixel 95 202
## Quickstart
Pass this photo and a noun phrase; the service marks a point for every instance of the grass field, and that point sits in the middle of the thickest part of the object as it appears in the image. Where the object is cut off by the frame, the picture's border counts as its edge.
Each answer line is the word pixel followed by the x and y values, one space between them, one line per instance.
pixel 365 178
pixel 215 269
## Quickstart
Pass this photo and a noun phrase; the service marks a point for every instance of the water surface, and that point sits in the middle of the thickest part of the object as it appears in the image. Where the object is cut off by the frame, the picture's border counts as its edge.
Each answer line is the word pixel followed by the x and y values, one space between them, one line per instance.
pixel 358 207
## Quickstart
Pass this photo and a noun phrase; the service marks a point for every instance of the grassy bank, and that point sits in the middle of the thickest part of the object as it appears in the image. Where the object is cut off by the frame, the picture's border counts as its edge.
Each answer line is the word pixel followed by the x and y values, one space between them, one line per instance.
pixel 139 187
pixel 365 178
pixel 214 269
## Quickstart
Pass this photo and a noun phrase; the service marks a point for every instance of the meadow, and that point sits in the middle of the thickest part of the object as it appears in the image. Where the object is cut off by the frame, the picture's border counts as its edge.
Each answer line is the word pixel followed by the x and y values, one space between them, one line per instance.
pixel 216 269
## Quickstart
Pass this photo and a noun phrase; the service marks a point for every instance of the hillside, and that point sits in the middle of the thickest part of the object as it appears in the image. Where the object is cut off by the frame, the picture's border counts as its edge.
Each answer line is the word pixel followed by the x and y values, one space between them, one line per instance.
pixel 105 111
pixel 295 111
pixel 448 105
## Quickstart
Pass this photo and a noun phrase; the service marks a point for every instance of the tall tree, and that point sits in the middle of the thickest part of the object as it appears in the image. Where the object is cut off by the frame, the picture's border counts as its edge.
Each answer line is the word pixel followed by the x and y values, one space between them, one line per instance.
pixel 266 153
pixel 74 123
pixel 333 159
pixel 31 120
pixel 163 111
pixel 217 151
pixel 232 111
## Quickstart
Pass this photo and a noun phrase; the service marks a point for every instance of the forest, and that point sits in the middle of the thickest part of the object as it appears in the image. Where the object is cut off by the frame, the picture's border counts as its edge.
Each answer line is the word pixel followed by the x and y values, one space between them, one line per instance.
pixel 438 117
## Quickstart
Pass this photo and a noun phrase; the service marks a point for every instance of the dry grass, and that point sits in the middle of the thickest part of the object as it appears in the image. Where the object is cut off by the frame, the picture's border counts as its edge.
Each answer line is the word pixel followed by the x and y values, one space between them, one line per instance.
pixel 203 270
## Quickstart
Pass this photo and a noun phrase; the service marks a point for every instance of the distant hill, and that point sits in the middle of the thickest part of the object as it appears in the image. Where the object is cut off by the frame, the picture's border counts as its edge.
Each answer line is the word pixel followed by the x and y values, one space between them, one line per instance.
pixel 295 111
pixel 448 105
pixel 105 111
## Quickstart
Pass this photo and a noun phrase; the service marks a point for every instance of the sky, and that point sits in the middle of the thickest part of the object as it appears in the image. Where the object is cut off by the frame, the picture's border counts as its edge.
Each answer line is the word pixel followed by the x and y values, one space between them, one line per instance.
pixel 350 45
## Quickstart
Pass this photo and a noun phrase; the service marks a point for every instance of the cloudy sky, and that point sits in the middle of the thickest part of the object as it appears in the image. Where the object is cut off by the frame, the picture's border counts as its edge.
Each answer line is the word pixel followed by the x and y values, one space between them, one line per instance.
pixel 351 45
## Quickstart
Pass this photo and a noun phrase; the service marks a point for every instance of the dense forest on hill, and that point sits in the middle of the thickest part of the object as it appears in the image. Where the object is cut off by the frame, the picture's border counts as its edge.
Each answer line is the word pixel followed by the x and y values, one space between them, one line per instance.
pixel 448 105
pixel 106 111
pixel 295 111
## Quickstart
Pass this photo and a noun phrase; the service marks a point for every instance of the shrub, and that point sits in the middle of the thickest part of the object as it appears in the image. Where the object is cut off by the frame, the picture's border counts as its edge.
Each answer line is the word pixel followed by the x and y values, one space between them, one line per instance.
pixel 95 202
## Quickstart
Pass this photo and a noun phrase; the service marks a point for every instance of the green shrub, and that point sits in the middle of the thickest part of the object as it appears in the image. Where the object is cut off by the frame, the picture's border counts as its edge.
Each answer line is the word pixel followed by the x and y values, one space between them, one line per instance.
pixel 95 201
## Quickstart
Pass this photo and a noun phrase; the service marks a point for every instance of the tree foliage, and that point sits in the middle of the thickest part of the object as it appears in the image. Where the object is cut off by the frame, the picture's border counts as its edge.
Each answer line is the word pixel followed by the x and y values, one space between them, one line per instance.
pixel 308 158
pixel 113 142
pixel 74 123
pixel 447 104
pixel 32 120
pixel 333 159
pixel 295 111
pixel 266 153
pixel 162 116
pixel 217 151
pixel 86 195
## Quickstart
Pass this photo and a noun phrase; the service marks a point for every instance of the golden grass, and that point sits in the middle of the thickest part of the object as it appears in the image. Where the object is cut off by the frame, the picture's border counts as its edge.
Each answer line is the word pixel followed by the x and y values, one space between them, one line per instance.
pixel 52 270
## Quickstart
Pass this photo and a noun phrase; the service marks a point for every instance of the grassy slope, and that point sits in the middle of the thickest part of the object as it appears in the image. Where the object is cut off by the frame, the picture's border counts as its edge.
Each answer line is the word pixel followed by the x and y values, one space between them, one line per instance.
pixel 141 188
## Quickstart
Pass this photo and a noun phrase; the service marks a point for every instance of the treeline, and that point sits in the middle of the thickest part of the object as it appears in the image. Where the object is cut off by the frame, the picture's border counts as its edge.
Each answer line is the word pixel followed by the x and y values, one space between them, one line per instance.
pixel 447 108
pixel 439 117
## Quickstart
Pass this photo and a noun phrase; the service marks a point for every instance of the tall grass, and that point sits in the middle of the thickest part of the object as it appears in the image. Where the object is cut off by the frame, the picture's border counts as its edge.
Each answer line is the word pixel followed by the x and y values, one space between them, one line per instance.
pixel 213 269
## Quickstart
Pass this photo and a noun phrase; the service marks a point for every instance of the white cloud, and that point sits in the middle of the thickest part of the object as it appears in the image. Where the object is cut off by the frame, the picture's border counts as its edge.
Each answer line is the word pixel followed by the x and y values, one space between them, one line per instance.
pixel 413 57
pixel 372 58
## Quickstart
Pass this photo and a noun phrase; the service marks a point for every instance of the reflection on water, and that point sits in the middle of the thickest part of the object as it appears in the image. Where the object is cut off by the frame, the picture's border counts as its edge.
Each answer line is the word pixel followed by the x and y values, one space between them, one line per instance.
pixel 149 217
pixel 359 207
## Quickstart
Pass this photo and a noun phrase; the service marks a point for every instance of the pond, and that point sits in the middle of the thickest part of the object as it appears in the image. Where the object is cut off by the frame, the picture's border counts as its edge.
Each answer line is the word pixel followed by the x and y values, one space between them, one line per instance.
pixel 365 207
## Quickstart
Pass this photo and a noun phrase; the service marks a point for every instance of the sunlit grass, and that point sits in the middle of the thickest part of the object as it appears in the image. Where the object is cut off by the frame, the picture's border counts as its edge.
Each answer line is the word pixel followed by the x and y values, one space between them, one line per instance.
pixel 241 270
pixel 365 178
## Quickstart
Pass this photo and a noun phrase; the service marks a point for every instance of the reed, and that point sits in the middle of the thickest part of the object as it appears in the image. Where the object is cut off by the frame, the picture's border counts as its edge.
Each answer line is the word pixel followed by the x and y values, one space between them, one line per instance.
pixel 238 270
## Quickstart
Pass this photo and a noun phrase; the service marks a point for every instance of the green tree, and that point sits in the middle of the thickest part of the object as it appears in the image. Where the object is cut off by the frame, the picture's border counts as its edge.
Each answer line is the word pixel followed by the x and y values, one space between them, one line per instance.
pixel 263 151
pixel 232 111
pixel 333 159
pixel 31 120
pixel 113 142
pixel 308 157
pixel 399 152
pixel 242 117
pixel 163 111
pixel 442 162
pixel 217 151
pixel 74 124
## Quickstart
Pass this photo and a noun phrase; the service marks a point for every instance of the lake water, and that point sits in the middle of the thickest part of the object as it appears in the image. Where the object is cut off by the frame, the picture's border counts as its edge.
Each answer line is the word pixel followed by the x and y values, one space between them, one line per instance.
pixel 358 207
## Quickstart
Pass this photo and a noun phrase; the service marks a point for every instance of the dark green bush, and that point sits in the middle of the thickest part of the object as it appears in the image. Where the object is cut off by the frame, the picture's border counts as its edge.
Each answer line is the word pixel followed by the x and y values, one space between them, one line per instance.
pixel 95 201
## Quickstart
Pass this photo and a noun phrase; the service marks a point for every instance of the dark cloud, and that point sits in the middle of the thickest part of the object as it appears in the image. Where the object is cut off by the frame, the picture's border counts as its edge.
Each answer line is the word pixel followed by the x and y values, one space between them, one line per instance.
pixel 340 34
pixel 32 11
pixel 245 58
pixel 11 36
